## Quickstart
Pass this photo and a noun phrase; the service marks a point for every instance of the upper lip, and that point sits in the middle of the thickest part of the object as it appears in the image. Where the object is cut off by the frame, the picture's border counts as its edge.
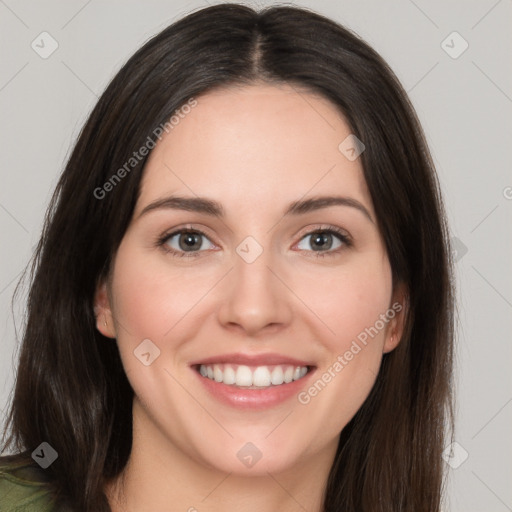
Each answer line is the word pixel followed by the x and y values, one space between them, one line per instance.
pixel 252 360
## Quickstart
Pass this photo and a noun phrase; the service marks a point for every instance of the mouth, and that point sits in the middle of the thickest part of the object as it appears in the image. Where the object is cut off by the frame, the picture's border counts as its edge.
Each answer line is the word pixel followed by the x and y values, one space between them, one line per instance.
pixel 256 377
pixel 254 382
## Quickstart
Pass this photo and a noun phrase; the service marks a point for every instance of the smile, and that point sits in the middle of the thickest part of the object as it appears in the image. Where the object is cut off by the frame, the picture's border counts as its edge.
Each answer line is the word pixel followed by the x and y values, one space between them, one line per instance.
pixel 252 377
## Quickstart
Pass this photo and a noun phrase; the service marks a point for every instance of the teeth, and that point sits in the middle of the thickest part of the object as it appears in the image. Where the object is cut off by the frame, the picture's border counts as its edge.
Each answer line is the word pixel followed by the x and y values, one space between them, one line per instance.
pixel 243 376
pixel 254 377
pixel 217 373
pixel 261 377
pixel 288 374
pixel 229 375
pixel 277 376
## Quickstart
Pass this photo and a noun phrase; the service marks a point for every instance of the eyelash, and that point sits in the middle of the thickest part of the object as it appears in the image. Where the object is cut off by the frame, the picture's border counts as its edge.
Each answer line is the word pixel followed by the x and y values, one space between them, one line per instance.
pixel 344 239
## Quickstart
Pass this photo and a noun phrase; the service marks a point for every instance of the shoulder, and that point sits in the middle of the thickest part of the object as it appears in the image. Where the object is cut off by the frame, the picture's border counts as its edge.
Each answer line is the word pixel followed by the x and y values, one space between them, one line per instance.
pixel 24 486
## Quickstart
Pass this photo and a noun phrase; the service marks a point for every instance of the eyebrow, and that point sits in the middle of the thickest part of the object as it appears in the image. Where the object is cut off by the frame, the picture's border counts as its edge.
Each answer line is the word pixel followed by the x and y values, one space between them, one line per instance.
pixel 215 209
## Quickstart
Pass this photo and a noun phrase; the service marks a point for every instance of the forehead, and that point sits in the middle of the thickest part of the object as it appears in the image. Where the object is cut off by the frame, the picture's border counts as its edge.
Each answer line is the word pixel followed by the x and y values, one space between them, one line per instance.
pixel 262 142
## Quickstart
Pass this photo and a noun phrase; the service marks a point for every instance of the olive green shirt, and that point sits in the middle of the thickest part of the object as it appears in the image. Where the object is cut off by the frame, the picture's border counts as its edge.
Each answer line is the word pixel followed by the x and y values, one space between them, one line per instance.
pixel 23 488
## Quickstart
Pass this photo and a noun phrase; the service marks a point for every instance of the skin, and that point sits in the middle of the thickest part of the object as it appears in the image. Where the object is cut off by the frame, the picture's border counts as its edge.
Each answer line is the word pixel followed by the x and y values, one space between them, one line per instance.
pixel 254 149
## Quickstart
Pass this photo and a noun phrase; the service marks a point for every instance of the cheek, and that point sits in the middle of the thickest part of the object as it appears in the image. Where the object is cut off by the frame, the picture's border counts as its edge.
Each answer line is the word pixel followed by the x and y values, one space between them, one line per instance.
pixel 353 308
pixel 152 297
pixel 154 301
pixel 360 304
pixel 350 302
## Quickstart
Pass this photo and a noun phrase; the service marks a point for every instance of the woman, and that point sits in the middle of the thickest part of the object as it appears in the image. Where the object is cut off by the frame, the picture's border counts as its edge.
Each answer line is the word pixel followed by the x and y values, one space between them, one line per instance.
pixel 242 295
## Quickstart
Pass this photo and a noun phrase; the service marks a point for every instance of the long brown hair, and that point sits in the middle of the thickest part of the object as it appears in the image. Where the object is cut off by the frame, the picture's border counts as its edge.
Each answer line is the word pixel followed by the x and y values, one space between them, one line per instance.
pixel 71 390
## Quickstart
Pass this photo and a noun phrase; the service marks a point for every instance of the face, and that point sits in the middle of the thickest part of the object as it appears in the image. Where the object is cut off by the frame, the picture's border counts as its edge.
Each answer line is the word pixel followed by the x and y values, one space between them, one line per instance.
pixel 251 296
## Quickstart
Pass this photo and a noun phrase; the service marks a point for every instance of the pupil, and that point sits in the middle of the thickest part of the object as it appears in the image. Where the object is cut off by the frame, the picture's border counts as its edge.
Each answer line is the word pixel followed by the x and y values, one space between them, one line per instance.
pixel 190 241
pixel 322 240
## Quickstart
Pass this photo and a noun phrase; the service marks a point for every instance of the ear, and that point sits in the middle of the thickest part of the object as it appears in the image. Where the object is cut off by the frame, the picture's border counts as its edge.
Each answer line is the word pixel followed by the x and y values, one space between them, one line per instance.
pixel 397 313
pixel 103 312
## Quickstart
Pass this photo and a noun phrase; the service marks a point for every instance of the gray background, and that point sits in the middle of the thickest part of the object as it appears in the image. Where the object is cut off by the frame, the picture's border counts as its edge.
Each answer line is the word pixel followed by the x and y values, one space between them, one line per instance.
pixel 464 104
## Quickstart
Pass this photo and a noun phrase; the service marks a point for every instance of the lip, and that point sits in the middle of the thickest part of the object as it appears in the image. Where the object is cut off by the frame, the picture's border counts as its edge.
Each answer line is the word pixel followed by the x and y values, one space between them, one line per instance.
pixel 253 399
pixel 252 360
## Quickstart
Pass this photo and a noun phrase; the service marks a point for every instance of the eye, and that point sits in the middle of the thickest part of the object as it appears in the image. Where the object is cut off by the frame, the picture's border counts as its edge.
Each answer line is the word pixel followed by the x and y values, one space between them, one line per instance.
pixel 184 241
pixel 323 240
pixel 190 243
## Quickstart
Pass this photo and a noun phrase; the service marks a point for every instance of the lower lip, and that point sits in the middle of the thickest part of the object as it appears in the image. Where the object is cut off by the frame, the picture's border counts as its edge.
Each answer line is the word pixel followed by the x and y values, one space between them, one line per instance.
pixel 254 399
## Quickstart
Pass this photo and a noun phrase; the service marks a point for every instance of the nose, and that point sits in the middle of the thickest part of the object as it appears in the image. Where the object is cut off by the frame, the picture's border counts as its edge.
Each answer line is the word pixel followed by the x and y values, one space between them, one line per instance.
pixel 254 299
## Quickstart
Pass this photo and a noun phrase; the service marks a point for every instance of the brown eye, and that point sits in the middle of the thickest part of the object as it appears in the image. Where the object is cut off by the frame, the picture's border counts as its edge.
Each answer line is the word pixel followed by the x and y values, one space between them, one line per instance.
pixel 188 241
pixel 322 241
